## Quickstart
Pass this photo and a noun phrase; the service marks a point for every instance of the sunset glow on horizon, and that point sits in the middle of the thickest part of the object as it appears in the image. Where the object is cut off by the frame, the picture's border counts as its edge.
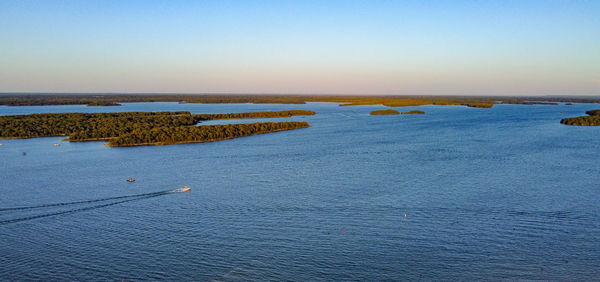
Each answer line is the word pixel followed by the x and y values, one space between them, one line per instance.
pixel 309 47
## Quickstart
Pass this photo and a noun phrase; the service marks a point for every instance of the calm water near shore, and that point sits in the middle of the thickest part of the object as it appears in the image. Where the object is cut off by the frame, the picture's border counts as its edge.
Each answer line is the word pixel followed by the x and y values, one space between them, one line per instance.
pixel 456 194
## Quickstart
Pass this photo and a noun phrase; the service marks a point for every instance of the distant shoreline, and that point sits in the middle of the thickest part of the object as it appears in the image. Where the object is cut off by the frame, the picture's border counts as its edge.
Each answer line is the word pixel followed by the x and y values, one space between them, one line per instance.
pixel 28 99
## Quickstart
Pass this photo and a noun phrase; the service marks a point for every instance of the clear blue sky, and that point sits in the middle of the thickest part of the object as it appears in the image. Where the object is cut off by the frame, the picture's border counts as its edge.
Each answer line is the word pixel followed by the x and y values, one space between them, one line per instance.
pixel 327 47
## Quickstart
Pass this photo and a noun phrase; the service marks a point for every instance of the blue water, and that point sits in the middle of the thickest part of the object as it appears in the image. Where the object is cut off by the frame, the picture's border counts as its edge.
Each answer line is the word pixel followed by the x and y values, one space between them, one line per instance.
pixel 501 193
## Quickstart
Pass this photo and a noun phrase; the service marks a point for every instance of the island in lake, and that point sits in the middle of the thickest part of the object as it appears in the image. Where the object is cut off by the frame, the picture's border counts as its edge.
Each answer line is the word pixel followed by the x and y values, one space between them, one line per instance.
pixel 384 112
pixel 394 112
pixel 416 112
pixel 592 119
pixel 142 128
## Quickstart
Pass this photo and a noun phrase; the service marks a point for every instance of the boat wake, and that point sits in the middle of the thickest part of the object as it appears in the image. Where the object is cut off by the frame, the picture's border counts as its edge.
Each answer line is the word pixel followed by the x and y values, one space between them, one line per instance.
pixel 88 201
pixel 122 199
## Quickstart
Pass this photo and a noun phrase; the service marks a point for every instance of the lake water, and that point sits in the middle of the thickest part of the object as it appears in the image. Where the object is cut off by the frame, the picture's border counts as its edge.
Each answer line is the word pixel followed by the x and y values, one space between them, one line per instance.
pixel 501 193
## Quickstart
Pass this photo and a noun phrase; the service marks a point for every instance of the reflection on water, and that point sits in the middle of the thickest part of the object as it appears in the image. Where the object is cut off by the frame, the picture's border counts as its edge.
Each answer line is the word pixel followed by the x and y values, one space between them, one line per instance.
pixel 501 193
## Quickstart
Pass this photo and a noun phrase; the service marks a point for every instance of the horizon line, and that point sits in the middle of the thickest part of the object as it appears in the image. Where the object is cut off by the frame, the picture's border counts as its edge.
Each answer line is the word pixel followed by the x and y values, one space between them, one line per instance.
pixel 296 94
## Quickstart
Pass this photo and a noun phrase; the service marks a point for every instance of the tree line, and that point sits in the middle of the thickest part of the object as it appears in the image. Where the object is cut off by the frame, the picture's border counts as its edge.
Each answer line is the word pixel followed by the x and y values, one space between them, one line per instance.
pixel 254 115
pixel 82 126
pixel 391 101
pixel 384 112
pixel 205 133
pixel 592 119
pixel 105 126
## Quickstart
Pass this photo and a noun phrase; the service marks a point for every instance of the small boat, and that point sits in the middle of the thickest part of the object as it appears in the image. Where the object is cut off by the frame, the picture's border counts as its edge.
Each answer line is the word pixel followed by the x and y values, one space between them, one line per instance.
pixel 130 179
pixel 56 144
pixel 186 189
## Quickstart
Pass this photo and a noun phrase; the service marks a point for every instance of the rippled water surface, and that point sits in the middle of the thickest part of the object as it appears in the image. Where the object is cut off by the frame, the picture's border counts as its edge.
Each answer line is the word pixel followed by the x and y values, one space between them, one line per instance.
pixel 456 194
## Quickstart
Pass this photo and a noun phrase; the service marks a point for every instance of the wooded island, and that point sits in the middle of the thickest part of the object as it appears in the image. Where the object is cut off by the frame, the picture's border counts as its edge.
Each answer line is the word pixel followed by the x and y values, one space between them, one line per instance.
pixel 278 114
pixel 592 119
pixel 384 112
pixel 141 128
pixel 196 134
pixel 394 112
pixel 415 112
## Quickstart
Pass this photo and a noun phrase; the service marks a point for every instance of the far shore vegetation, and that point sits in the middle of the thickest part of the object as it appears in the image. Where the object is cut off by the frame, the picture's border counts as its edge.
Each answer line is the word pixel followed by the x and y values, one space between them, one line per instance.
pixel 384 112
pixel 592 119
pixel 143 125
pixel 394 112
pixel 10 99
pixel 279 114
pixel 415 112
pixel 102 104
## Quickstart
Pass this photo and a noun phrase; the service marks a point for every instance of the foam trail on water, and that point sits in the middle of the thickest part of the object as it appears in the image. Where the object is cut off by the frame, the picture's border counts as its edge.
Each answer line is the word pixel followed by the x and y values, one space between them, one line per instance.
pixel 89 201
pixel 152 195
pixel 177 190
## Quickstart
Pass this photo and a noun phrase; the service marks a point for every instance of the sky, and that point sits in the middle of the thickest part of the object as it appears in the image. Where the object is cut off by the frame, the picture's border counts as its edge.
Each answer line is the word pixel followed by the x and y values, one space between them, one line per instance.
pixel 301 47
